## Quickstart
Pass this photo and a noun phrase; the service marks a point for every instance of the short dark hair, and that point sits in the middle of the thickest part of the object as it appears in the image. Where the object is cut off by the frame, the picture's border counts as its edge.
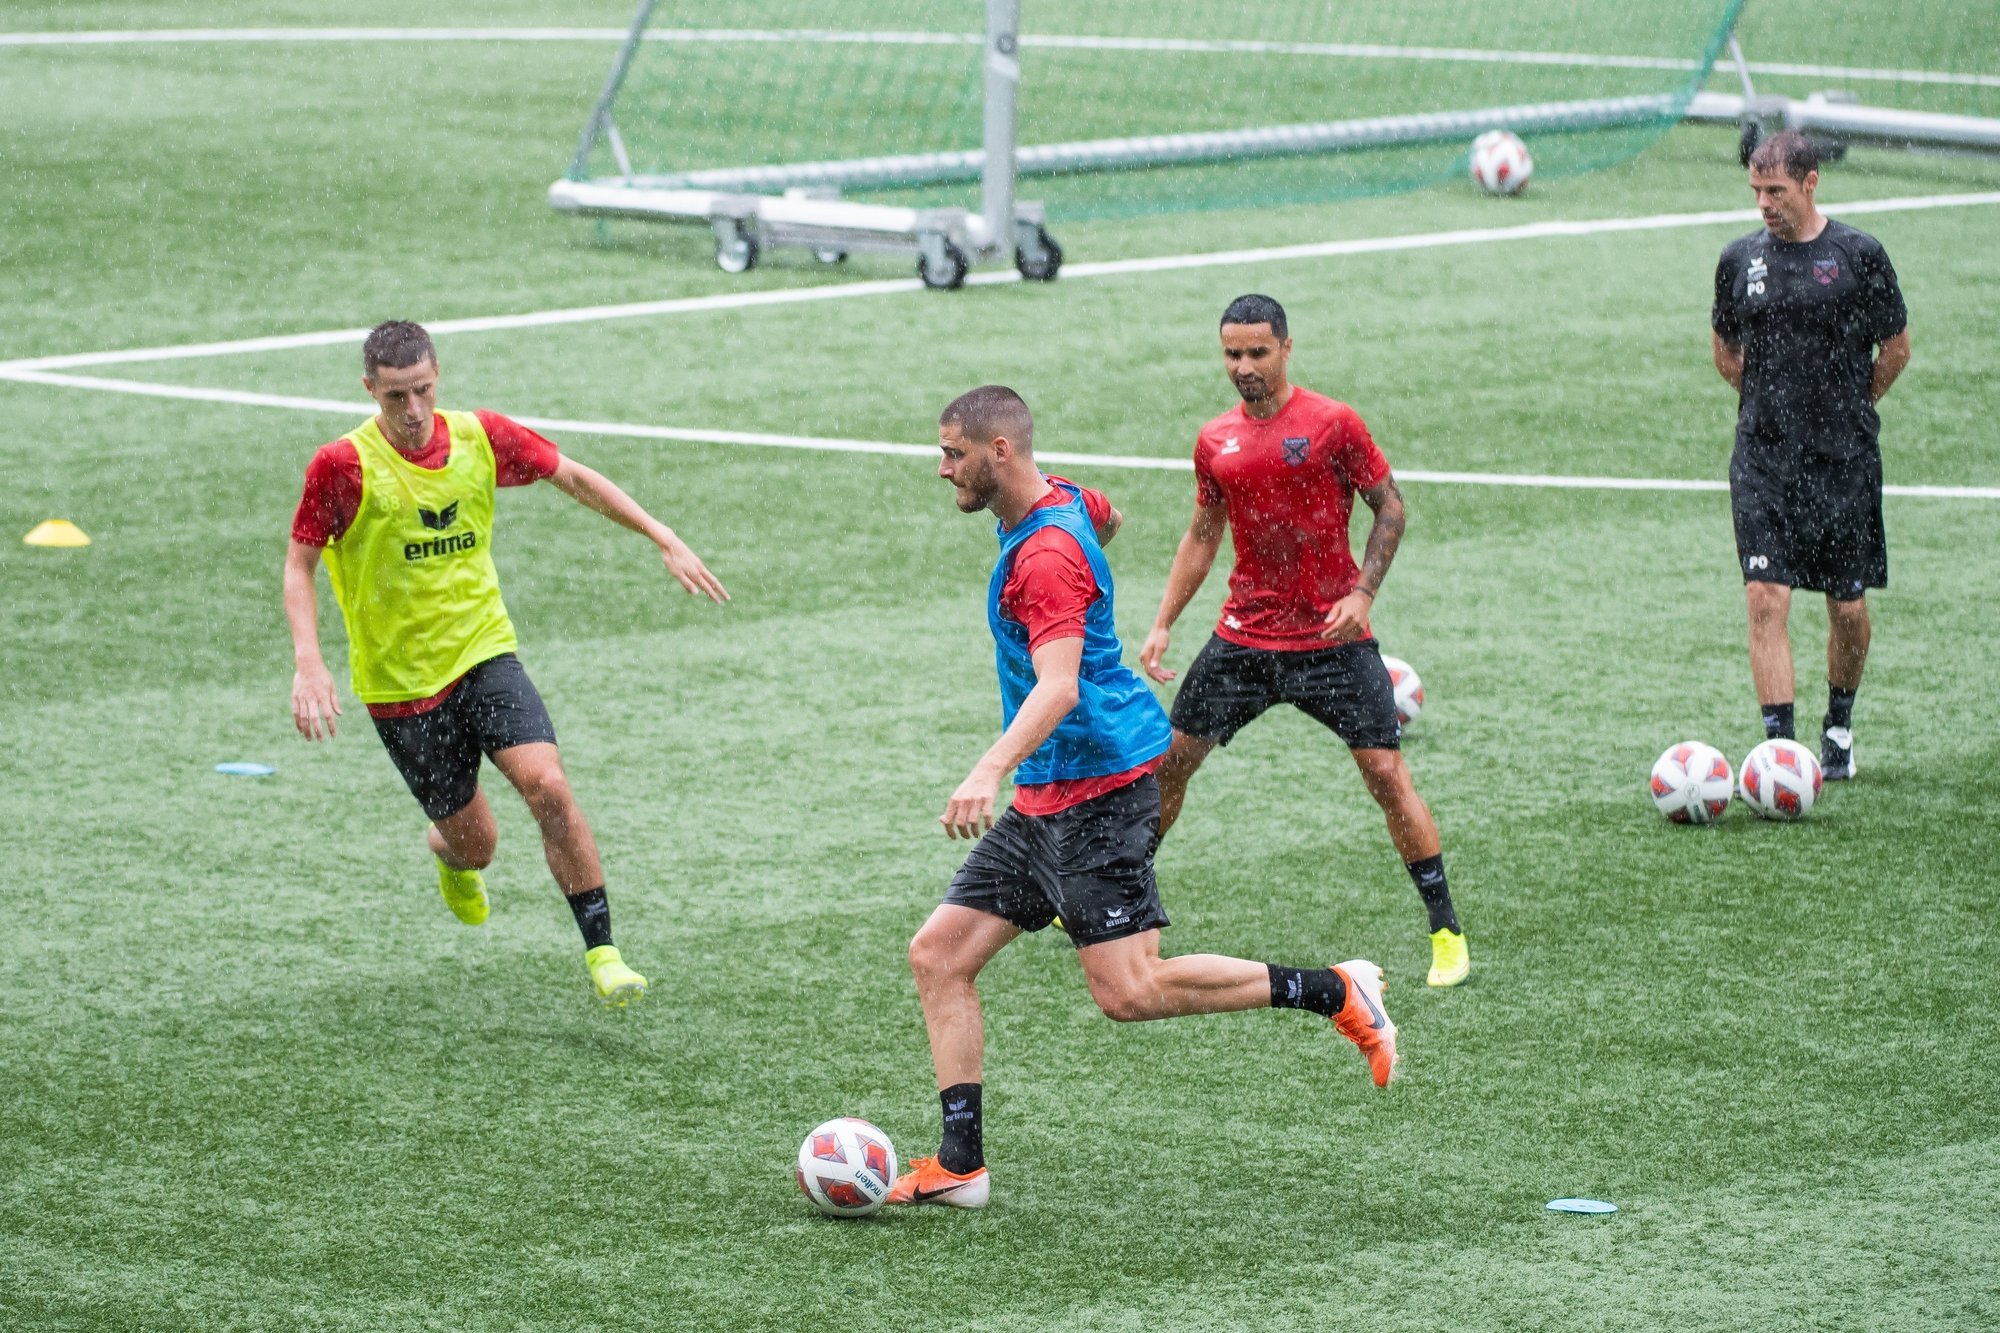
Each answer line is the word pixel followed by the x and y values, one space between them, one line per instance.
pixel 1787 151
pixel 1254 309
pixel 990 411
pixel 398 345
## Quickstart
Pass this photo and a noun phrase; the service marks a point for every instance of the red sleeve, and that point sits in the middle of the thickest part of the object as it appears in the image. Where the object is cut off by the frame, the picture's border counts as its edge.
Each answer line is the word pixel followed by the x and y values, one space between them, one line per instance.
pixel 1206 492
pixel 1355 452
pixel 520 456
pixel 1094 502
pixel 332 495
pixel 1050 588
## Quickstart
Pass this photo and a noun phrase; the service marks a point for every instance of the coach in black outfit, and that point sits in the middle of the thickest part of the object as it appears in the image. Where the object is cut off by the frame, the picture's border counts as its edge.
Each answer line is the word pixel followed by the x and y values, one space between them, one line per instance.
pixel 1801 309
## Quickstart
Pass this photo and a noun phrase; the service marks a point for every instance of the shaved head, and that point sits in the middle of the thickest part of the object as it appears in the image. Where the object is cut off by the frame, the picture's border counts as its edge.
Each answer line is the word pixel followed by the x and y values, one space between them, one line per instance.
pixel 990 412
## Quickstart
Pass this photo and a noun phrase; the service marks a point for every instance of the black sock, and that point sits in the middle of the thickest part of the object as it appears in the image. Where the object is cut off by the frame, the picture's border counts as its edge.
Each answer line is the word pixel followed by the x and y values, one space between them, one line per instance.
pixel 1319 989
pixel 1428 876
pixel 1840 706
pixel 963 1149
pixel 593 916
pixel 1778 721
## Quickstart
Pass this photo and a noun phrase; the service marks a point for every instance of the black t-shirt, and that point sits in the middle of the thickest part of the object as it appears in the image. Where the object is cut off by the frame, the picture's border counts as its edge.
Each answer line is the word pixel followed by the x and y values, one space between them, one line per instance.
pixel 1808 315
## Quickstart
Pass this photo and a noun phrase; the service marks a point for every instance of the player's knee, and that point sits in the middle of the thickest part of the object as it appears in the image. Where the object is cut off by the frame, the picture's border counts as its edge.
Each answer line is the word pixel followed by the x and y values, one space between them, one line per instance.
pixel 548 796
pixel 1767 601
pixel 931 956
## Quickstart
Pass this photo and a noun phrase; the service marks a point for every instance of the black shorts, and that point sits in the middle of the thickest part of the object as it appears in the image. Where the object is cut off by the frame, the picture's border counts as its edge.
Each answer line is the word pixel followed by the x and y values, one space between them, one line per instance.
pixel 1343 685
pixel 1091 864
pixel 495 707
pixel 1820 529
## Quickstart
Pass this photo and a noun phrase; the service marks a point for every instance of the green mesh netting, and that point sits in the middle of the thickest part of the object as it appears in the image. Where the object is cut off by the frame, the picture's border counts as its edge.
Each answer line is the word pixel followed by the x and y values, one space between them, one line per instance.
pixel 786 81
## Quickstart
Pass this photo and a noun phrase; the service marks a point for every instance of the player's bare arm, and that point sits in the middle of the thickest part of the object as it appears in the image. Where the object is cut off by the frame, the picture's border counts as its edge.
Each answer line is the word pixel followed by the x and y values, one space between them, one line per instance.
pixel 1193 558
pixel 1349 617
pixel 969 813
pixel 1109 527
pixel 1729 360
pixel 314 703
pixel 1893 355
pixel 594 491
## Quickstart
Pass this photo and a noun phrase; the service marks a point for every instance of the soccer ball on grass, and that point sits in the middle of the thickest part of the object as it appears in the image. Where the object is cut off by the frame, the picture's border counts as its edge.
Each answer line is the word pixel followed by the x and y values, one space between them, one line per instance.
pixel 1500 162
pixel 846 1167
pixel 1409 689
pixel 1692 783
pixel 1781 780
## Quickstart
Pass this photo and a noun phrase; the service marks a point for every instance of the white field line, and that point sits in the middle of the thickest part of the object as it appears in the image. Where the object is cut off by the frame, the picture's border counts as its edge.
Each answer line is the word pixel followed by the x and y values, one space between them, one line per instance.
pixel 1071 272
pixel 825 444
pixel 740 36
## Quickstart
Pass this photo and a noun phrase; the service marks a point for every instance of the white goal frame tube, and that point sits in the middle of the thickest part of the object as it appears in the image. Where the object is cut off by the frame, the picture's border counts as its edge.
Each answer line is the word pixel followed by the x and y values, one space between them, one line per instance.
pixel 1003 86
pixel 1157 150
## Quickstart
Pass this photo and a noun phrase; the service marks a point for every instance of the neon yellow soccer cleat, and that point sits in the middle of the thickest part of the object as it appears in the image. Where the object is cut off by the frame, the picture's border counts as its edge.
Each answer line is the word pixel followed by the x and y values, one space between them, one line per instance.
pixel 1451 961
pixel 617 985
pixel 464 892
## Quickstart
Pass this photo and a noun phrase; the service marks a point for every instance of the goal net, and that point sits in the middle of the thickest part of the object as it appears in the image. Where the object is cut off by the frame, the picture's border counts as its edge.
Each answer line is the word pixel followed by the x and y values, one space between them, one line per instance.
pixel 1137 106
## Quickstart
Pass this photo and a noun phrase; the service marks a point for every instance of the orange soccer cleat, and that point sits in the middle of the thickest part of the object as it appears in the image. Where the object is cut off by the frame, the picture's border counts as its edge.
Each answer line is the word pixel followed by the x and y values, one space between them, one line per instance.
pixel 1363 1021
pixel 928 1182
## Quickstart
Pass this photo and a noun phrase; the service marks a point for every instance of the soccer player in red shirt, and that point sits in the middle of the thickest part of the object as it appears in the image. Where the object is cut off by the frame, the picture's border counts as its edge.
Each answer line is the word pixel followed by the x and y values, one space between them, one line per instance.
pixel 1082 736
pixel 1281 470
pixel 401 508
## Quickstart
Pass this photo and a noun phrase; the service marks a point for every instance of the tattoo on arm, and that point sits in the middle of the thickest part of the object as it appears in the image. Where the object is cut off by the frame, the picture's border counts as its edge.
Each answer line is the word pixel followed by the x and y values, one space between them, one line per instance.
pixel 1384 536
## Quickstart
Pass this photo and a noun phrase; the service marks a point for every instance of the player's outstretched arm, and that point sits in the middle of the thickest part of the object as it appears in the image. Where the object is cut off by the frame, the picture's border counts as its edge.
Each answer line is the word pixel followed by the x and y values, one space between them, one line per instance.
pixel 1349 618
pixel 1193 558
pixel 593 490
pixel 1728 360
pixel 1109 527
pixel 1889 363
pixel 315 704
pixel 969 813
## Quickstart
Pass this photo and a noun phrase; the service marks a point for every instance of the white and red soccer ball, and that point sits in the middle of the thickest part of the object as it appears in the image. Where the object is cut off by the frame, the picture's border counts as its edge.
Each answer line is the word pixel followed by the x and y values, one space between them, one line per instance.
pixel 1781 780
pixel 1500 162
pixel 1409 689
pixel 1692 783
pixel 846 1167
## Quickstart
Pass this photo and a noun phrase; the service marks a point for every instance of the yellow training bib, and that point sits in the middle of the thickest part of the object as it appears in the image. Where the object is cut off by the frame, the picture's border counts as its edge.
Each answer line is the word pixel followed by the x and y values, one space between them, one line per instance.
pixel 413 573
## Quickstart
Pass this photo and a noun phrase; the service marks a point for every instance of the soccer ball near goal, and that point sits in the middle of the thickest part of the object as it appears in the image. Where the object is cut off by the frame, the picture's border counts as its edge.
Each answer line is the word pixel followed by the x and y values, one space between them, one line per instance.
pixel 1781 780
pixel 1500 162
pixel 1409 689
pixel 846 1167
pixel 1692 783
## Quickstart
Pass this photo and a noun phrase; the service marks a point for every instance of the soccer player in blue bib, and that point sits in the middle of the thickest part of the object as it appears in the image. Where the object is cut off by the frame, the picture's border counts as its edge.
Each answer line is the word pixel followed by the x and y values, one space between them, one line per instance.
pixel 1082 736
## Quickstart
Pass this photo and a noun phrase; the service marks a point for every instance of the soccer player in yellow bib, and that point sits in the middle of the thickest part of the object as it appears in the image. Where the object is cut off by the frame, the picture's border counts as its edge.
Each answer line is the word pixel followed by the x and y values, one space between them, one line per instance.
pixel 402 509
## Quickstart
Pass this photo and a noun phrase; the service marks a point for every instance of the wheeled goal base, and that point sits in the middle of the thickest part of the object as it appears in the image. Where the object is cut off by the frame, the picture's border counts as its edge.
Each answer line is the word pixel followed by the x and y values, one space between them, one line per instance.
pixel 945 241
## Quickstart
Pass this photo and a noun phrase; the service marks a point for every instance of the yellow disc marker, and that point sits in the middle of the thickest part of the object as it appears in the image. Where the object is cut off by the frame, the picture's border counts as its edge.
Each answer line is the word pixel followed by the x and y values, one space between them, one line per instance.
pixel 57 532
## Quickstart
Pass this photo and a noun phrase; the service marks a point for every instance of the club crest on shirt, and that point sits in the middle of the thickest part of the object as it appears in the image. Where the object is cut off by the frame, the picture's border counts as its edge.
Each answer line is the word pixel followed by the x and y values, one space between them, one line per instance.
pixel 1296 447
pixel 1825 271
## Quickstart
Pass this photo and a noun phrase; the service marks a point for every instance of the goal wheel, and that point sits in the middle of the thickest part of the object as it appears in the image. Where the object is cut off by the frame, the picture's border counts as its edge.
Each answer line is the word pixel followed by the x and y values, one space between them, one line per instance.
pixel 1041 261
pixel 828 254
pixel 947 273
pixel 1747 138
pixel 737 254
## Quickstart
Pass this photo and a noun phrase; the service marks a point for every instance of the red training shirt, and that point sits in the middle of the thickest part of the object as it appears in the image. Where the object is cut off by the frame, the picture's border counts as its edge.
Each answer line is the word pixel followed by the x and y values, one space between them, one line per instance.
pixel 1289 484
pixel 1049 591
pixel 333 496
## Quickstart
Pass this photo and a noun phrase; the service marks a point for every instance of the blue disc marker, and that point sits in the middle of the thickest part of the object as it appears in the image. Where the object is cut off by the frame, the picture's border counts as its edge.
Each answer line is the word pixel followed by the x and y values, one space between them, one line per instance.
pixel 1581 1206
pixel 243 770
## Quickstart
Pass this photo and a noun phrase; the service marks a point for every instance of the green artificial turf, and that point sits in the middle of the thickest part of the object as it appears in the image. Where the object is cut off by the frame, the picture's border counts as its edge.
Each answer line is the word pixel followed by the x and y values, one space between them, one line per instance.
pixel 253 1076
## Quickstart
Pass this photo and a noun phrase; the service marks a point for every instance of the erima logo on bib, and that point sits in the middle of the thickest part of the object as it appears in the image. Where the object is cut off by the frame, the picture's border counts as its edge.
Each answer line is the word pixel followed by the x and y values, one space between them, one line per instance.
pixel 439 519
pixel 452 545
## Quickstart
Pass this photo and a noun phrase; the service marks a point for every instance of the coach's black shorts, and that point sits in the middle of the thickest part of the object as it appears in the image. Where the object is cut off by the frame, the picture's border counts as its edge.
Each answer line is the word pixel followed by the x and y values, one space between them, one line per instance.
pixel 495 707
pixel 1820 529
pixel 1343 685
pixel 1091 864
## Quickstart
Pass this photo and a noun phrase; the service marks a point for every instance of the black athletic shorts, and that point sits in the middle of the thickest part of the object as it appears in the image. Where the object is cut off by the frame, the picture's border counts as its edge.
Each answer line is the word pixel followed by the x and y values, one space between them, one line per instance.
pixel 1343 685
pixel 495 707
pixel 1091 864
pixel 1820 529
